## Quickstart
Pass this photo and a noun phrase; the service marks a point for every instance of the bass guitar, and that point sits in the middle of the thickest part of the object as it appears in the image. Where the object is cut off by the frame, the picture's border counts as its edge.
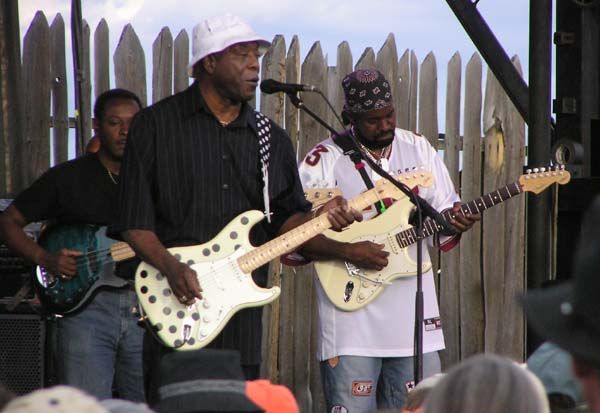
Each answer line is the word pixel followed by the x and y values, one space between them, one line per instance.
pixel 224 266
pixel 95 267
pixel 350 288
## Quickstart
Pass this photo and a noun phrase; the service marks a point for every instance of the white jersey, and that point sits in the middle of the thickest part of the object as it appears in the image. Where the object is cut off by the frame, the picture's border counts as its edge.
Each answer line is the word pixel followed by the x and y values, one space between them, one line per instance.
pixel 383 328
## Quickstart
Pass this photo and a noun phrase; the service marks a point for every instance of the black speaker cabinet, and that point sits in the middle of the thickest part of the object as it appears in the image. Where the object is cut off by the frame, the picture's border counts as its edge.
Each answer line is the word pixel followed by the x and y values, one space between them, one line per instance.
pixel 22 352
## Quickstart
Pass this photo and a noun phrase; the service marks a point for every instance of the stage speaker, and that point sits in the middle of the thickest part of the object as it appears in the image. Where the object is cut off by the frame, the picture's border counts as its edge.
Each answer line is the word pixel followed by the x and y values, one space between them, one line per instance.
pixel 22 352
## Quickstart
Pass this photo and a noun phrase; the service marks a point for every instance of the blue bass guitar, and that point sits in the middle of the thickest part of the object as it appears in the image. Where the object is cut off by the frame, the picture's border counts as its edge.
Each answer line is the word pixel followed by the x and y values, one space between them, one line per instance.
pixel 95 268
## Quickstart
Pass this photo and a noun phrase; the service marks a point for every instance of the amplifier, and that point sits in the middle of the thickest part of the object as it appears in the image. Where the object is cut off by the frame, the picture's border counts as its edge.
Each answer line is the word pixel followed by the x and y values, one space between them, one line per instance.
pixel 22 352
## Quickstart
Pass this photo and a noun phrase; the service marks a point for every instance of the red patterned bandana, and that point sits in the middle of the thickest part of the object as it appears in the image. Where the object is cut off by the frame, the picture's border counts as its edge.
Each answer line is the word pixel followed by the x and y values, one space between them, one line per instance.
pixel 366 90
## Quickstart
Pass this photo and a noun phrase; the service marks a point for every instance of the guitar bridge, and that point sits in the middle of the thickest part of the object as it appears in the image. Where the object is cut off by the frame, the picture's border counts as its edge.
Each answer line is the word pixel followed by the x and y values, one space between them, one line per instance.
pixel 354 271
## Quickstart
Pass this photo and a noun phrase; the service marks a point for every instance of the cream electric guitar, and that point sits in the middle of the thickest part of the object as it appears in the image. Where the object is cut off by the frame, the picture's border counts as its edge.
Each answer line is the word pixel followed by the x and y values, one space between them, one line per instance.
pixel 350 288
pixel 224 266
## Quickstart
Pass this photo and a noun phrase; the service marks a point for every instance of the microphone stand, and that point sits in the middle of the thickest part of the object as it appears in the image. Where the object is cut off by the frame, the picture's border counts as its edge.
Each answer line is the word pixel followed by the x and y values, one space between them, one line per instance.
pixel 422 206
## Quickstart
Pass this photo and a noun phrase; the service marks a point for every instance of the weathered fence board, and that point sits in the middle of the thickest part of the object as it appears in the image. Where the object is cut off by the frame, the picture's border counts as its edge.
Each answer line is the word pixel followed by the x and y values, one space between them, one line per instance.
pixel 414 80
pixel 471 288
pixel 343 67
pixel 162 65
pixel 11 101
pixel 514 234
pixel 58 70
pixel 289 277
pixel 86 88
pixel 273 67
pixel 494 176
pixel 36 71
pixel 366 59
pixel 181 51
pixel 387 63
pixel 450 276
pixel 129 64
pixel 403 94
pixel 101 70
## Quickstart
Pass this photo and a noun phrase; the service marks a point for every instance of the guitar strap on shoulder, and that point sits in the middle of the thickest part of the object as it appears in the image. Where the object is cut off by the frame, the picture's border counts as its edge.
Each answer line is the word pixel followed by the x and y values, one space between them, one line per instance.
pixel 350 150
pixel 263 125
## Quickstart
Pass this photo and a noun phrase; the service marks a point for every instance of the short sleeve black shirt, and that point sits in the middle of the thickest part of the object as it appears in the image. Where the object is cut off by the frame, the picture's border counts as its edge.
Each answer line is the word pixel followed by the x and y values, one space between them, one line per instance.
pixel 77 191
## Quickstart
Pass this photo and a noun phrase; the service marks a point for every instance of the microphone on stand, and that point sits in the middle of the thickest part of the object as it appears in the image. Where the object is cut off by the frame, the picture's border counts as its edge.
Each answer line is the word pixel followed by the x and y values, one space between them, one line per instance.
pixel 269 86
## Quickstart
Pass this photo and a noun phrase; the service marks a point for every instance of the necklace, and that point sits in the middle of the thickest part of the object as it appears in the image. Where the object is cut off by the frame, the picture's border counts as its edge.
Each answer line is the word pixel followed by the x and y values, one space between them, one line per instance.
pixel 112 176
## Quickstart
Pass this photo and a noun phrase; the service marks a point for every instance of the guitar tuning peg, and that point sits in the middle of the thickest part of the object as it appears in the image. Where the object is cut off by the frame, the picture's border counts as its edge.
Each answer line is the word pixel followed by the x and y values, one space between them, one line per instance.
pixel 542 169
pixel 536 170
pixel 528 171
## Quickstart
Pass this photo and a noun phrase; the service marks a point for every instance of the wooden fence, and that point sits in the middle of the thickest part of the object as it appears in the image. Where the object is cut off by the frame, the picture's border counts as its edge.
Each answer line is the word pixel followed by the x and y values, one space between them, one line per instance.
pixel 477 281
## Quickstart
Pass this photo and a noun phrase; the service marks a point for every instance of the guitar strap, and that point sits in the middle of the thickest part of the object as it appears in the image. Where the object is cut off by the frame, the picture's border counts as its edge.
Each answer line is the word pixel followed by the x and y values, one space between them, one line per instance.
pixel 350 150
pixel 263 125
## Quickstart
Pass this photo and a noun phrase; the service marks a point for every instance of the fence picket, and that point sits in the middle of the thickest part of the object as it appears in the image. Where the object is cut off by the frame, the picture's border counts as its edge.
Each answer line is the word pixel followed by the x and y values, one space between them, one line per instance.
pixel 58 69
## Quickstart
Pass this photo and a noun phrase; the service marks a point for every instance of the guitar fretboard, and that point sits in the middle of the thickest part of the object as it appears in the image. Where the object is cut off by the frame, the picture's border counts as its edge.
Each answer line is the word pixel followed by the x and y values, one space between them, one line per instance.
pixel 430 227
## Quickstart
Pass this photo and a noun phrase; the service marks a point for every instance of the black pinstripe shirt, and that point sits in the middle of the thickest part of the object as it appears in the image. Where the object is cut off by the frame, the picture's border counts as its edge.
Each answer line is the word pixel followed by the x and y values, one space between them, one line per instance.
pixel 184 176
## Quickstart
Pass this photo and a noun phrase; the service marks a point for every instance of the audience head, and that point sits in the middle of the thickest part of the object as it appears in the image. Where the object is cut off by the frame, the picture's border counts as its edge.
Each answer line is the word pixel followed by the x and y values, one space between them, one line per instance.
pixel 569 314
pixel 487 383
pixel 416 397
pixel 58 399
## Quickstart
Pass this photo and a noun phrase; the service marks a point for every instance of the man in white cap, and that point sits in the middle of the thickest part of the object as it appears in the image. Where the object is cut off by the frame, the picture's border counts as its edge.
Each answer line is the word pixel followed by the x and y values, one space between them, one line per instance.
pixel 194 161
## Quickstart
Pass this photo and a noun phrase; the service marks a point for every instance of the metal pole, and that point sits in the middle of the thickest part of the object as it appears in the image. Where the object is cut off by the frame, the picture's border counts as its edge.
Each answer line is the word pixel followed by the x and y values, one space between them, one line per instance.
pixel 11 100
pixel 539 216
pixel 498 61
pixel 77 41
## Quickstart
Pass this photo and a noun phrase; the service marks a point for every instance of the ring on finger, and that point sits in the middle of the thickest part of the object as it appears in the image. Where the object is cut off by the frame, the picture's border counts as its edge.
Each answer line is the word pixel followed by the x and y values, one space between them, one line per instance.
pixel 183 298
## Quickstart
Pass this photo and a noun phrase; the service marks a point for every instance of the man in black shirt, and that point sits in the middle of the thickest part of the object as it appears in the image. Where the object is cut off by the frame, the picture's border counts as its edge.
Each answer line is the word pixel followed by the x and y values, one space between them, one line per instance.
pixel 192 164
pixel 101 340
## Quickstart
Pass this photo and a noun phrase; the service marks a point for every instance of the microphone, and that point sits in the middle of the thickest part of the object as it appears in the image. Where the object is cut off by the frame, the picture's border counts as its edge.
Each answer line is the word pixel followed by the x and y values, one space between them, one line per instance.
pixel 269 86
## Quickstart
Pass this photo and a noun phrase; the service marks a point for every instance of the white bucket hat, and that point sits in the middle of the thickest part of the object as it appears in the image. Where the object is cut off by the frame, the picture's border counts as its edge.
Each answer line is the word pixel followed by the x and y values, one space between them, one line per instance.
pixel 218 33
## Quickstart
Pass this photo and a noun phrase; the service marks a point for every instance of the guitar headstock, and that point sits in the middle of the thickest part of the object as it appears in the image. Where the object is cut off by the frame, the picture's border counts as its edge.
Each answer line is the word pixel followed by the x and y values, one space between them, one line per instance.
pixel 537 179
pixel 318 196
pixel 418 176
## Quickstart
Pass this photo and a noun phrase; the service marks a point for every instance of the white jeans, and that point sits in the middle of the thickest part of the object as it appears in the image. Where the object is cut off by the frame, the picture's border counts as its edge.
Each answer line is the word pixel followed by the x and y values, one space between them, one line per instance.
pixel 359 384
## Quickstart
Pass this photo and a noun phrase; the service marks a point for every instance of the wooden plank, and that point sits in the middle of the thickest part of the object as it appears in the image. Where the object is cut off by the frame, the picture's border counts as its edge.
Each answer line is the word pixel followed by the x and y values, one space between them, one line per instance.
pixel 428 122
pixel 428 125
pixel 414 80
pixel 101 70
pixel 12 102
pixel 313 72
pixel 387 63
pixel 181 59
pixel 58 69
pixel 450 275
pixel 494 274
pixel 130 64
pixel 287 314
pixel 272 67
pixel 514 234
pixel 366 60
pixel 343 68
pixel 36 71
pixel 86 88
pixel 471 287
pixel 402 99
pixel 162 65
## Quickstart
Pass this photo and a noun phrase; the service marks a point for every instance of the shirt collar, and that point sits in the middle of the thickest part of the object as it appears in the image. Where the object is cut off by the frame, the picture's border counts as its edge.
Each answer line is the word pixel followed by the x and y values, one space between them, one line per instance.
pixel 195 103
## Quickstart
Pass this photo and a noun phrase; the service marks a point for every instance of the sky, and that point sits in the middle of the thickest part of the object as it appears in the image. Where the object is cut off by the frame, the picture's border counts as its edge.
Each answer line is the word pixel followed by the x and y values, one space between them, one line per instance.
pixel 422 25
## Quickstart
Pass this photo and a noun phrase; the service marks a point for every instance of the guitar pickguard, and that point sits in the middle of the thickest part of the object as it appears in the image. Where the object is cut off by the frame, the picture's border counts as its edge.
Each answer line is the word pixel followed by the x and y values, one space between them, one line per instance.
pixel 351 288
pixel 226 288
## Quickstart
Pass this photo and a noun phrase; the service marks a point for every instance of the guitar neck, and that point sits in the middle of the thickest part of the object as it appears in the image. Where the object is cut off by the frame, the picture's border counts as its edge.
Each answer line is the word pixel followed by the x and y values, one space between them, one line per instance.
pixel 121 251
pixel 430 227
pixel 299 235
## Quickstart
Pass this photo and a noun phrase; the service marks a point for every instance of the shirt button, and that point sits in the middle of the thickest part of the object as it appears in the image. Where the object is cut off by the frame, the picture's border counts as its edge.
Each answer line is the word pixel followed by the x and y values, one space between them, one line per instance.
pixel 225 186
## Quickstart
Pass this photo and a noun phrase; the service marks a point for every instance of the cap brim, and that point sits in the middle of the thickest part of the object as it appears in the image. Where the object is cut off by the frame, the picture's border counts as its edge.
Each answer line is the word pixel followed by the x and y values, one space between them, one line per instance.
pixel 543 309
pixel 263 45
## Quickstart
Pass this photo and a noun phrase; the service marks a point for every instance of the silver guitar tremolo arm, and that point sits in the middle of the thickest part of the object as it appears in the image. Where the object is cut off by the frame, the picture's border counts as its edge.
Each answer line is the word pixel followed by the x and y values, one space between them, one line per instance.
pixel 354 271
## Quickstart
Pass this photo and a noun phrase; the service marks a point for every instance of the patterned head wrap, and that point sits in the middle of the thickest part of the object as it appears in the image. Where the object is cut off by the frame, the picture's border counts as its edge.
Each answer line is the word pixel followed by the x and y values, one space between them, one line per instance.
pixel 366 90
